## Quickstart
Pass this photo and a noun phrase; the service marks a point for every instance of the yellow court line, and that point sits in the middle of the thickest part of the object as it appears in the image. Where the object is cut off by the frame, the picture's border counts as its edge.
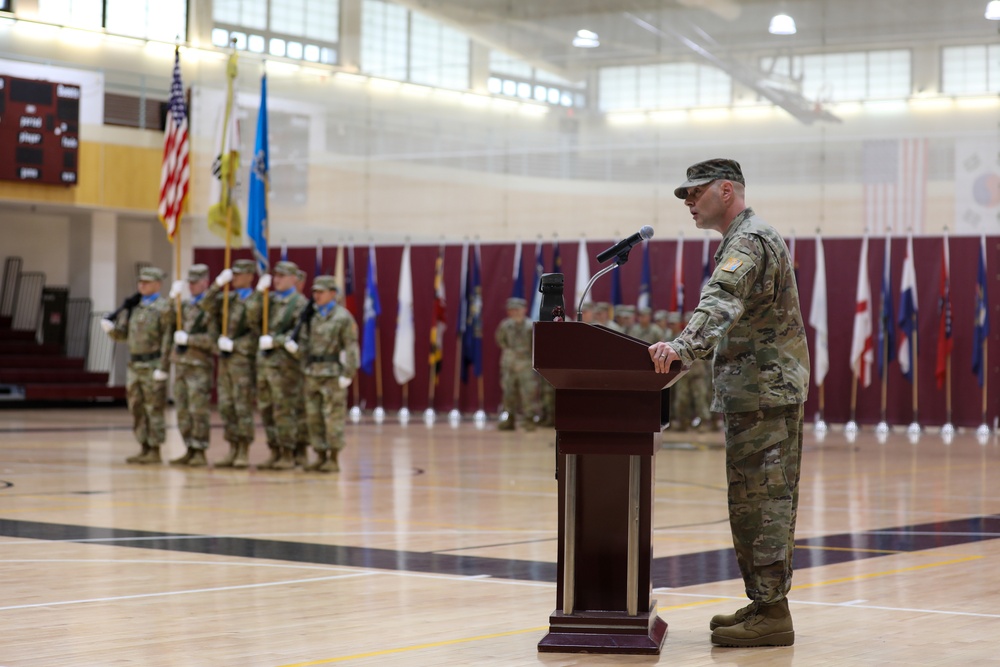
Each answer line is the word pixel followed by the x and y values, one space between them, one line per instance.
pixel 861 577
pixel 418 647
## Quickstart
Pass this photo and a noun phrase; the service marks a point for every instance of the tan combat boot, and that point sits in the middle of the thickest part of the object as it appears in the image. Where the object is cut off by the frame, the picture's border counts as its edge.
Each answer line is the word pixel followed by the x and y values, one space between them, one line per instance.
pixel 151 456
pixel 137 458
pixel 184 459
pixel 286 460
pixel 272 459
pixel 242 459
pixel 227 462
pixel 769 625
pixel 301 455
pixel 320 460
pixel 330 465
pixel 725 620
pixel 198 459
pixel 529 423
pixel 506 422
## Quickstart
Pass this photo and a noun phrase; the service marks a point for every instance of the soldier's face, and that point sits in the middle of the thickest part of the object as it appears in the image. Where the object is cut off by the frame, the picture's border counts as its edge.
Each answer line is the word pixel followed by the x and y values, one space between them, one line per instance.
pixel 516 314
pixel 706 205
pixel 242 280
pixel 323 296
pixel 198 286
pixel 149 287
pixel 282 282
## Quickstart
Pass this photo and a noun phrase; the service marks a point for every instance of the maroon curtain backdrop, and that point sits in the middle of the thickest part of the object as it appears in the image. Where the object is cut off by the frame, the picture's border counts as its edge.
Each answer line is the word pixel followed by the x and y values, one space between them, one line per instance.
pixel 842 270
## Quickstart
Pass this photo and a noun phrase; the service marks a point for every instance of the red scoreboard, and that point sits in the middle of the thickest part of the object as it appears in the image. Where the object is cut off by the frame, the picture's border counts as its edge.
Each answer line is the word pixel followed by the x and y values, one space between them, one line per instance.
pixel 39 131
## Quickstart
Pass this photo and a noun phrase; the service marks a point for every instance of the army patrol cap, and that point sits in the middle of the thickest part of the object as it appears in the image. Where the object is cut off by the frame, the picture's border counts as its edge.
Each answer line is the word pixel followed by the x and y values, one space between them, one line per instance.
pixel 673 317
pixel 708 171
pixel 244 266
pixel 300 274
pixel 150 274
pixel 197 272
pixel 624 310
pixel 324 284
pixel 516 302
pixel 587 307
pixel 286 268
pixel 661 315
pixel 645 310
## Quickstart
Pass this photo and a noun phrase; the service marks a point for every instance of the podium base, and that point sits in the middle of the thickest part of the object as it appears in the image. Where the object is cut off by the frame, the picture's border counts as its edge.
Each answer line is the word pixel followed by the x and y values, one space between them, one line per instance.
pixel 605 632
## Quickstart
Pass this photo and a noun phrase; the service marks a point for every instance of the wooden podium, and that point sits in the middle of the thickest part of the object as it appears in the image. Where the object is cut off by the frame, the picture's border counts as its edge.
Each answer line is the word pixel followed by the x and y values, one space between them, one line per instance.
pixel 609 405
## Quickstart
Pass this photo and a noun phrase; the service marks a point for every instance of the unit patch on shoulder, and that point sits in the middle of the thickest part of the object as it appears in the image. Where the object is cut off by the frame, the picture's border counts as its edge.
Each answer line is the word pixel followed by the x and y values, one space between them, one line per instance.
pixel 731 265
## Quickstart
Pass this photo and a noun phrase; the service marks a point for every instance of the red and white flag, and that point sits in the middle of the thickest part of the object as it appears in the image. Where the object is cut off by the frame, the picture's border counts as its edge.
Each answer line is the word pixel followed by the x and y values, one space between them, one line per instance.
pixel 175 172
pixel 894 174
pixel 862 341
pixel 677 296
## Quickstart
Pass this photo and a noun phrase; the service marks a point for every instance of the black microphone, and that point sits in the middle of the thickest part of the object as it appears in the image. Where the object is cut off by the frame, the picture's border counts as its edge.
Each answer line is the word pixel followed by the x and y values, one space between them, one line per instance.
pixel 622 248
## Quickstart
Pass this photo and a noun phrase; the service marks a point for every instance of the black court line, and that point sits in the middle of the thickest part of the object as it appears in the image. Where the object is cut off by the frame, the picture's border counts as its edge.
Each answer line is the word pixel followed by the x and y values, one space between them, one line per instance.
pixel 670 571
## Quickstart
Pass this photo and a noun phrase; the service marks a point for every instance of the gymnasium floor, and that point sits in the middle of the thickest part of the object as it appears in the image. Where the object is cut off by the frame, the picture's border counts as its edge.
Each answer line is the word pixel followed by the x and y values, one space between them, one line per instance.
pixel 436 546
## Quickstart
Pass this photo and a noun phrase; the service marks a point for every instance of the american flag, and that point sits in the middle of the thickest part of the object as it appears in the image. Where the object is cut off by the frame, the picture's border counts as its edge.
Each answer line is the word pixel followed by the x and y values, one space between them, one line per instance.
pixel 175 173
pixel 894 174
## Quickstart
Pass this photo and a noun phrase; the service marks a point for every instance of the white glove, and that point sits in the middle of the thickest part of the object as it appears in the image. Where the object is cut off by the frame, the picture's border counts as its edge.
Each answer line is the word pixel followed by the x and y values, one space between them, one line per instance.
pixel 160 376
pixel 266 342
pixel 291 346
pixel 344 382
pixel 263 282
pixel 180 337
pixel 107 325
pixel 225 344
pixel 224 278
pixel 176 289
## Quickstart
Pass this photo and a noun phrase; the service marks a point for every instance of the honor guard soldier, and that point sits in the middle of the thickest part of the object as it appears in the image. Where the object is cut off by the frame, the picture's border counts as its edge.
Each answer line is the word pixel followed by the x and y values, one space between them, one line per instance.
pixel 644 329
pixel 279 376
pixel 517 377
pixel 145 321
pixel 237 377
pixel 194 347
pixel 302 431
pixel 327 344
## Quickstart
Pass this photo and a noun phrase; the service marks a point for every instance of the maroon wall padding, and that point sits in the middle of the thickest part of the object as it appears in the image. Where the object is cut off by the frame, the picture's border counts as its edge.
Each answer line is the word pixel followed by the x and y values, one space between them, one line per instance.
pixel 842 256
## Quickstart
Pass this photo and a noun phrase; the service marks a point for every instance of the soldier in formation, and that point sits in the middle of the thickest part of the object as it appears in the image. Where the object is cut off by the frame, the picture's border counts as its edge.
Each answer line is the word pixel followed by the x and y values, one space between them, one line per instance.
pixel 517 377
pixel 327 344
pixel 644 329
pixel 193 352
pixel 145 322
pixel 237 345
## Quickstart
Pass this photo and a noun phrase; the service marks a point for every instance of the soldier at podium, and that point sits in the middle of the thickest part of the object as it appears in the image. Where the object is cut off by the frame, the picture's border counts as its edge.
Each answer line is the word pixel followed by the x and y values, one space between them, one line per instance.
pixel 749 317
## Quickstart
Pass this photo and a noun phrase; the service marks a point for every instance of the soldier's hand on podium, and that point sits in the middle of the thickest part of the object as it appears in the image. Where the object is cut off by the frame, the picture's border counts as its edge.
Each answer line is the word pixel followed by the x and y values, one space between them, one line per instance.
pixel 663 356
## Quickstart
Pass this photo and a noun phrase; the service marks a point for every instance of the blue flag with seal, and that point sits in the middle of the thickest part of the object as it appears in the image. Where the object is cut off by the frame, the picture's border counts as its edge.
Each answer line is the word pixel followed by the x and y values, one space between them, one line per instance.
pixel 259 186
pixel 472 336
pixel 372 309
pixel 981 332
pixel 887 319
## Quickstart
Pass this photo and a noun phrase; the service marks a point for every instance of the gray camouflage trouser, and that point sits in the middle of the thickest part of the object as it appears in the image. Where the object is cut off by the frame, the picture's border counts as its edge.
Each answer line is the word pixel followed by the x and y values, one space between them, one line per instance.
pixel 763 460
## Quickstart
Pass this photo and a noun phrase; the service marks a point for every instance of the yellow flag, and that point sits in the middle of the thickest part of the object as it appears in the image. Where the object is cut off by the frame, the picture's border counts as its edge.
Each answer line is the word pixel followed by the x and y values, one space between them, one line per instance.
pixel 224 218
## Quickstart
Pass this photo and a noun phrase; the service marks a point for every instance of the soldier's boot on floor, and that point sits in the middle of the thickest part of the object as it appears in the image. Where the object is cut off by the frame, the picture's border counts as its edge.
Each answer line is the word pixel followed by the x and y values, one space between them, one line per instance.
pixel 184 459
pixel 548 421
pixel 198 459
pixel 136 458
pixel 330 464
pixel 321 455
pixel 151 456
pixel 227 460
pixel 272 459
pixel 301 455
pixel 506 422
pixel 529 423
pixel 242 459
pixel 769 625
pixel 286 459
pixel 725 620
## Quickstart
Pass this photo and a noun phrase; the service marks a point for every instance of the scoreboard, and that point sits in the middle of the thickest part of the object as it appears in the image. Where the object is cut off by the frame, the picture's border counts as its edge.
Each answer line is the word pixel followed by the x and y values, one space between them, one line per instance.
pixel 39 131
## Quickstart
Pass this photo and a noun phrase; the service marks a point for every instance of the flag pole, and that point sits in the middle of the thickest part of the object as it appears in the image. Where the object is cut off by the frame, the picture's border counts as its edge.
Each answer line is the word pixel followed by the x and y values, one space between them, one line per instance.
pixel 985 379
pixel 378 368
pixel 457 394
pixel 885 374
pixel 914 428
pixel 854 397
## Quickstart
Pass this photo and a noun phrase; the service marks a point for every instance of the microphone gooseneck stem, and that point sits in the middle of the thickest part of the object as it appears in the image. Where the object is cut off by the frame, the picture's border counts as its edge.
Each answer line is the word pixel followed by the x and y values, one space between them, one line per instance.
pixel 609 267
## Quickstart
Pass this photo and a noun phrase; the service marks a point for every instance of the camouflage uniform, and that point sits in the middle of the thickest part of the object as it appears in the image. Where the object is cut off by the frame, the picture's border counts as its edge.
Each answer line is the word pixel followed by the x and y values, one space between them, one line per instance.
pixel 193 365
pixel 148 329
pixel 517 377
pixel 302 429
pixel 328 348
pixel 279 374
pixel 749 315
pixel 650 333
pixel 237 375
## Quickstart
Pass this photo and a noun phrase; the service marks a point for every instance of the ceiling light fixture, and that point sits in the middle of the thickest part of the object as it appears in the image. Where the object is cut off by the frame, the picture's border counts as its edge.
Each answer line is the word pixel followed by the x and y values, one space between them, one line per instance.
pixel 993 10
pixel 587 39
pixel 783 24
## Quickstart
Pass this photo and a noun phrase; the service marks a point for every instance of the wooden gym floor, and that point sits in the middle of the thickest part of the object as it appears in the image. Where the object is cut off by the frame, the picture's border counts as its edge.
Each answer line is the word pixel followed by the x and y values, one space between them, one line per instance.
pixel 436 546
